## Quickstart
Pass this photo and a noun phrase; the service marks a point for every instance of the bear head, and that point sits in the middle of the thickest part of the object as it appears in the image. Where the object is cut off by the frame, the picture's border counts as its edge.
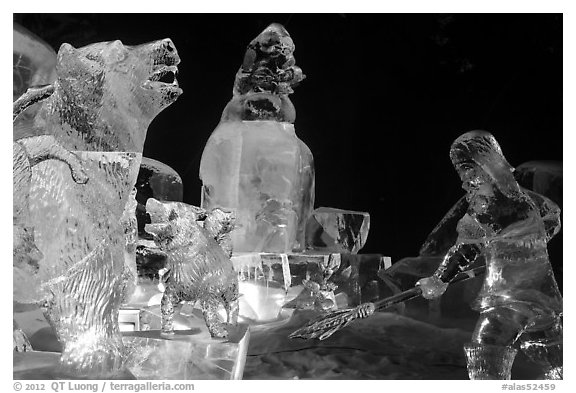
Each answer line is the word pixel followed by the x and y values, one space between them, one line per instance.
pixel 173 224
pixel 108 93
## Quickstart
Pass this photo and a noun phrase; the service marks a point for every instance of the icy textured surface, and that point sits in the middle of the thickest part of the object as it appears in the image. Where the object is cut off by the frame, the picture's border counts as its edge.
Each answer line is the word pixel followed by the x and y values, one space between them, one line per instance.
pixel 106 95
pixel 542 177
pixel 198 269
pixel 385 346
pixel 265 79
pixel 79 231
pixel 335 230
pixel 159 181
pixel 505 226
pixel 191 354
pixel 253 163
pixel 27 153
pixel 219 223
pixel 259 170
pixel 20 341
pixel 273 285
pixel 130 225
pixel 104 98
pixel 34 61
pixel 490 361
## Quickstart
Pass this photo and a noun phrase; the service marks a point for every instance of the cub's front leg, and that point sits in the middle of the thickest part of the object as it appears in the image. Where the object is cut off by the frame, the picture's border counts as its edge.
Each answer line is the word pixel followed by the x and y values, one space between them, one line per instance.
pixel 168 307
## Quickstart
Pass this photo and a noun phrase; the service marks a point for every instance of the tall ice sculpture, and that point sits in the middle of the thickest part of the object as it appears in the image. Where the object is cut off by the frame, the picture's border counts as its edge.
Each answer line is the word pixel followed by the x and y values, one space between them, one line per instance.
pixel 105 96
pixel 253 163
pixel 519 303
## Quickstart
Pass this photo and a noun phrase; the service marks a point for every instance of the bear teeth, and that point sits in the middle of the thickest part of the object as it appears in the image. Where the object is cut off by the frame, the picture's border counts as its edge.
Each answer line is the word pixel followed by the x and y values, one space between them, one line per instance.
pixel 165 75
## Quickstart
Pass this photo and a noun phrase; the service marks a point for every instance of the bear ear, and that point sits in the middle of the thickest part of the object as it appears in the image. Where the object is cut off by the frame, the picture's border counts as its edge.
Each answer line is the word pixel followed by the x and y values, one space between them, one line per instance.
pixel 67 60
pixel 65 51
pixel 117 51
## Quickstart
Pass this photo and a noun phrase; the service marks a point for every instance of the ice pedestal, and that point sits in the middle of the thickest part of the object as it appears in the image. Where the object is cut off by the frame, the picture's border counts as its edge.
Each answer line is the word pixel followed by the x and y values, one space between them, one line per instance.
pixel 45 366
pixel 191 354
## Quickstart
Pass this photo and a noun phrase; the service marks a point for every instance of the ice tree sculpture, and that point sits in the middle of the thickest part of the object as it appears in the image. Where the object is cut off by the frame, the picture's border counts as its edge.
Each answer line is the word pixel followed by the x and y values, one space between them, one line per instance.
pixel 198 269
pixel 253 163
pixel 519 300
pixel 105 96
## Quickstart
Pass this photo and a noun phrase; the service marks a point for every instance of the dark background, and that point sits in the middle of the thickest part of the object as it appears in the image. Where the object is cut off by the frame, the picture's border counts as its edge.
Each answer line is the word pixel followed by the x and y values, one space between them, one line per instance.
pixel 385 96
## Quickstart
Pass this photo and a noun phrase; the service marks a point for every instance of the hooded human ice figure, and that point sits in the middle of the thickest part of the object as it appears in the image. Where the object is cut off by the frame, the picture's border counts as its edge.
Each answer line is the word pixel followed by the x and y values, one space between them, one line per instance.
pixel 519 300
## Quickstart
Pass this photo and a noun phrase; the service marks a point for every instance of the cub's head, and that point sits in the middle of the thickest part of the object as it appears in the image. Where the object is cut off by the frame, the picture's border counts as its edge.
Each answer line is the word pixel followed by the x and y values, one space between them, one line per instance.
pixel 219 222
pixel 109 90
pixel 172 223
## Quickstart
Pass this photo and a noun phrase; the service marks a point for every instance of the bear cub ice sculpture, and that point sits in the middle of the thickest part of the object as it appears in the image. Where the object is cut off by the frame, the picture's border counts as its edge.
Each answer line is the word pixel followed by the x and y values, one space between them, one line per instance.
pixel 198 269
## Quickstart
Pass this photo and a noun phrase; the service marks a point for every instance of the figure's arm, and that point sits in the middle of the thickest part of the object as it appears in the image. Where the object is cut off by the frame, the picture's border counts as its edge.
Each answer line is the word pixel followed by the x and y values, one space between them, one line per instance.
pixel 457 259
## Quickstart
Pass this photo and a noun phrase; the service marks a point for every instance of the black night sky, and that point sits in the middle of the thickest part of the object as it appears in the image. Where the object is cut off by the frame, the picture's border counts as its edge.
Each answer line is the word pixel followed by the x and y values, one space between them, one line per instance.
pixel 385 96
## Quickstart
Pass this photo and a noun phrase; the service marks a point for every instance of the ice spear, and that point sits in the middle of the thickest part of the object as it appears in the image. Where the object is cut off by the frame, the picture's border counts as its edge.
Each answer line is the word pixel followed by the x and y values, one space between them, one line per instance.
pixel 326 325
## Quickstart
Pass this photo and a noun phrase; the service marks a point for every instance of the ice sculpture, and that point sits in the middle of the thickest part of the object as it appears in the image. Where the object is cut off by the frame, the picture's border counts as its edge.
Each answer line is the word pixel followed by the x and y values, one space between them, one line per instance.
pixel 519 300
pixel 219 223
pixel 20 342
pixel 198 269
pixel 130 225
pixel 27 153
pixel 103 100
pixel 336 230
pixel 159 181
pixel 34 64
pixel 253 163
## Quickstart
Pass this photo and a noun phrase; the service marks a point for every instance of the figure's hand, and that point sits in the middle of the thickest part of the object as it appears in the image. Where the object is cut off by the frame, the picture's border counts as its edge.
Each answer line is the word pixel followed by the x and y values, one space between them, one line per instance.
pixel 365 310
pixel 432 287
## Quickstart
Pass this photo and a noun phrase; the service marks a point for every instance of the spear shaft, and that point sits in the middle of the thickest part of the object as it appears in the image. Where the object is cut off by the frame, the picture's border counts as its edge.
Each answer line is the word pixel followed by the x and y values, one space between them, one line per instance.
pixel 326 325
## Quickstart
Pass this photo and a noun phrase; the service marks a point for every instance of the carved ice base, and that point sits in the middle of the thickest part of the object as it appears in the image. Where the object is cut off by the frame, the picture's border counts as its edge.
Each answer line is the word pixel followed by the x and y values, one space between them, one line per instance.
pixel 37 365
pixel 190 354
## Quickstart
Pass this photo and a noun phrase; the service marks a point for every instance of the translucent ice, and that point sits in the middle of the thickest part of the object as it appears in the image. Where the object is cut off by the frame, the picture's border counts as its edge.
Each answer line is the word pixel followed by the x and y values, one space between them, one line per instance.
pixel 253 163
pixel 198 269
pixel 103 100
pixel 159 181
pixel 336 230
pixel 106 94
pixel 27 153
pixel 34 61
pixel 219 223
pixel 190 354
pixel 128 221
pixel 519 300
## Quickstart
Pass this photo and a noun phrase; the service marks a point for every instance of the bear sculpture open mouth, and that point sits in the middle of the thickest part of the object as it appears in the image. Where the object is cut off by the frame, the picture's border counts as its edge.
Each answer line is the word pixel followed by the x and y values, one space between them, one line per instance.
pixel 163 76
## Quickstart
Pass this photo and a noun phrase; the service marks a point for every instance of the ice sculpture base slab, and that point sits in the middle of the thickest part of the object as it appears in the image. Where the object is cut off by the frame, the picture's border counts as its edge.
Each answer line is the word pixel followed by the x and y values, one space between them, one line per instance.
pixel 189 354
pixel 37 365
